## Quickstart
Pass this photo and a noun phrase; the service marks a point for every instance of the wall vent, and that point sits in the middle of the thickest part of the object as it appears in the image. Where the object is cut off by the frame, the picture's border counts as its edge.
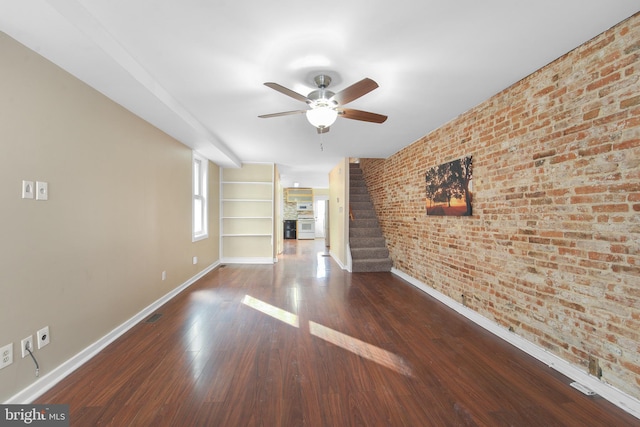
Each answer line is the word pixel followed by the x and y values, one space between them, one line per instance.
pixel 154 318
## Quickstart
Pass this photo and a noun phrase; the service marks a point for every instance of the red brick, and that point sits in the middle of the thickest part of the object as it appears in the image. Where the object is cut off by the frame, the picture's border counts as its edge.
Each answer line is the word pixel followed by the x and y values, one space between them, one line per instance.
pixel 604 257
pixel 595 150
pixel 556 197
pixel 591 189
pixel 591 114
pixel 626 103
pixel 611 208
pixel 604 82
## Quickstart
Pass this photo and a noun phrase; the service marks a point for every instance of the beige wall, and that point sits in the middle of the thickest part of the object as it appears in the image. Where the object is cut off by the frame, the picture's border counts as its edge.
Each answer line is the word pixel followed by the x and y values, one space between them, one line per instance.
pixel 552 250
pixel 320 192
pixel 339 211
pixel 118 214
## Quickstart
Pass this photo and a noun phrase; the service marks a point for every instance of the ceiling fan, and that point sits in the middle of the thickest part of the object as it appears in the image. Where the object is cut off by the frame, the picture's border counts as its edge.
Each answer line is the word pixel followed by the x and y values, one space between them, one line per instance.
pixel 326 106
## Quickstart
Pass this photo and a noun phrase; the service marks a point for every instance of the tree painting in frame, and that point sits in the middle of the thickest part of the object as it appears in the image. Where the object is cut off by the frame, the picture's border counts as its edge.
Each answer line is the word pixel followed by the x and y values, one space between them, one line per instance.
pixel 450 188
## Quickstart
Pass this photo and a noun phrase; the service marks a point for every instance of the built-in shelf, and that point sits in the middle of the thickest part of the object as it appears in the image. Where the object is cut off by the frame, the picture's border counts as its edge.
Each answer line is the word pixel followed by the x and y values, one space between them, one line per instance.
pixel 247 211
pixel 246 235
pixel 248 200
pixel 246 217
pixel 249 182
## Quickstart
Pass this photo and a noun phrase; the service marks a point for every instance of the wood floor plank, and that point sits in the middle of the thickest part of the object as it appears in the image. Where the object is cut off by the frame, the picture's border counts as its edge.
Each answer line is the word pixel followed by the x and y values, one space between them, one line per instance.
pixel 304 343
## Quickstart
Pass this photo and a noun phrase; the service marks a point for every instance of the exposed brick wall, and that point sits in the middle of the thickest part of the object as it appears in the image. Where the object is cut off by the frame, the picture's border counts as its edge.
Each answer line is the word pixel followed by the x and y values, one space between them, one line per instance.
pixel 553 247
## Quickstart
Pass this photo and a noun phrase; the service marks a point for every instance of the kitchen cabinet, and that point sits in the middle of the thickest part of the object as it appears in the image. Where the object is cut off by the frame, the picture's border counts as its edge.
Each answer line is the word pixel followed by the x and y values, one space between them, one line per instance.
pixel 304 195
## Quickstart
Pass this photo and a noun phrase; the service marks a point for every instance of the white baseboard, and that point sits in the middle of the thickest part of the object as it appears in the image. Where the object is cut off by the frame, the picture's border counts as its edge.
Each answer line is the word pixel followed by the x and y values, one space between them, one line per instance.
pixel 335 258
pixel 348 266
pixel 247 260
pixel 46 382
pixel 619 398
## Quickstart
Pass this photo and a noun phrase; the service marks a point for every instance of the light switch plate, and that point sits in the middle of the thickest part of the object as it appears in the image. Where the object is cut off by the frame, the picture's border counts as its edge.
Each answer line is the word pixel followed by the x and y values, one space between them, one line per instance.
pixel 42 190
pixel 27 190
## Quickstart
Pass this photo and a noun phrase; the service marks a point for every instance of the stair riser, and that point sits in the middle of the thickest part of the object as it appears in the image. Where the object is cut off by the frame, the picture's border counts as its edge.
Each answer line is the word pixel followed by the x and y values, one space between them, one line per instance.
pixel 367 242
pixel 364 223
pixel 369 253
pixel 365 232
pixel 364 197
pixel 360 214
pixel 371 266
pixel 358 190
pixel 361 206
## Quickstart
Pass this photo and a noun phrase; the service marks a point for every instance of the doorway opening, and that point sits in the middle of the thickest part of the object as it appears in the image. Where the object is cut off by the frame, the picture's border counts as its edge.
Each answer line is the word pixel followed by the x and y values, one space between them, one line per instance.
pixel 321 216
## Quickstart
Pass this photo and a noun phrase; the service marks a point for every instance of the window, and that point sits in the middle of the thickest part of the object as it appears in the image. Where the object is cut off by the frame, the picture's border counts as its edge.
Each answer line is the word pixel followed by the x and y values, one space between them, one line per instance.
pixel 200 217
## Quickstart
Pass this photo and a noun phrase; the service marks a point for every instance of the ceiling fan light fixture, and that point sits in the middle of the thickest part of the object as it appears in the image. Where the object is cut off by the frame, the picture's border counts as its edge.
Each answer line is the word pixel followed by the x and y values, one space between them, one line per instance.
pixel 322 117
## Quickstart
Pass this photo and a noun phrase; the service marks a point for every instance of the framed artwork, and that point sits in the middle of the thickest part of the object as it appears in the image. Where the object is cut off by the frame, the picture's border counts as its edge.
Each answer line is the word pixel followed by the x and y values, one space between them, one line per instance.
pixel 449 188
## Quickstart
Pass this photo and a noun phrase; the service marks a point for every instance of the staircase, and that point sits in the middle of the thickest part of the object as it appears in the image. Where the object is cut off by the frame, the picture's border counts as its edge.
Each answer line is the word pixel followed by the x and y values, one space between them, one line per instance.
pixel 368 248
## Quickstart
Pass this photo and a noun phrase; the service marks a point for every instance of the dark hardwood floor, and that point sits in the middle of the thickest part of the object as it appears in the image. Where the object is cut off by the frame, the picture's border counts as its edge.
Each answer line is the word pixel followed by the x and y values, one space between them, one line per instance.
pixel 303 343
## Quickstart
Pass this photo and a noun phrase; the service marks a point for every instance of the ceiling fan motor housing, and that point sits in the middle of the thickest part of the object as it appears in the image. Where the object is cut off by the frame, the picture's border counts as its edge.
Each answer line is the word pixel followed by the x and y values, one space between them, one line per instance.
pixel 321 96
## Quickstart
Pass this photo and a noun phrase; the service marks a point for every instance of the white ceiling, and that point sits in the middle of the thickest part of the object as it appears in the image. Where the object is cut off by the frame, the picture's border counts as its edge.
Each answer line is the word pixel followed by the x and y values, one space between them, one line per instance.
pixel 196 68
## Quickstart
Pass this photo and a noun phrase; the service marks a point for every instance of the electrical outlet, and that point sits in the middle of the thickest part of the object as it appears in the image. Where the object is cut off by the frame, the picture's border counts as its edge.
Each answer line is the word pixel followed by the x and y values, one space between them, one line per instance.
pixel 43 337
pixel 195 260
pixel 6 355
pixel 26 343
pixel 164 275
pixel 42 190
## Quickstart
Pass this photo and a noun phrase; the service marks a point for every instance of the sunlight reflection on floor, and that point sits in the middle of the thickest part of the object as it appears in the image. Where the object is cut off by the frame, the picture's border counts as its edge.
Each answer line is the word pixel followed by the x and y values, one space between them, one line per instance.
pixel 361 348
pixel 268 309
pixel 322 266
pixel 354 345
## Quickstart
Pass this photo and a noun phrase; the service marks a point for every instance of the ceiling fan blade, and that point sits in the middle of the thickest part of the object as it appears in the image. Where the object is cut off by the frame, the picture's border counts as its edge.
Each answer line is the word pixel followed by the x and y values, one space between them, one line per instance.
pixel 365 116
pixel 288 92
pixel 354 91
pixel 323 130
pixel 285 113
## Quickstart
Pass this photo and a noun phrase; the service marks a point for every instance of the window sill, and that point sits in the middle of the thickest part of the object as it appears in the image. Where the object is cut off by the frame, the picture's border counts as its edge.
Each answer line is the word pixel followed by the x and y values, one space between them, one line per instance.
pixel 199 237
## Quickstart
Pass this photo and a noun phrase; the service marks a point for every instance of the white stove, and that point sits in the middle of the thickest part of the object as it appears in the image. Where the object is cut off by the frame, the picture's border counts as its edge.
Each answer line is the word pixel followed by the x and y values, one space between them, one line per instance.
pixel 306 226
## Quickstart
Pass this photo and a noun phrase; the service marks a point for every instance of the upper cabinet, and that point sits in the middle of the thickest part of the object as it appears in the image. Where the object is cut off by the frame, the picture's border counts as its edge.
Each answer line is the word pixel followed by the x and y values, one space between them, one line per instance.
pixel 295 195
